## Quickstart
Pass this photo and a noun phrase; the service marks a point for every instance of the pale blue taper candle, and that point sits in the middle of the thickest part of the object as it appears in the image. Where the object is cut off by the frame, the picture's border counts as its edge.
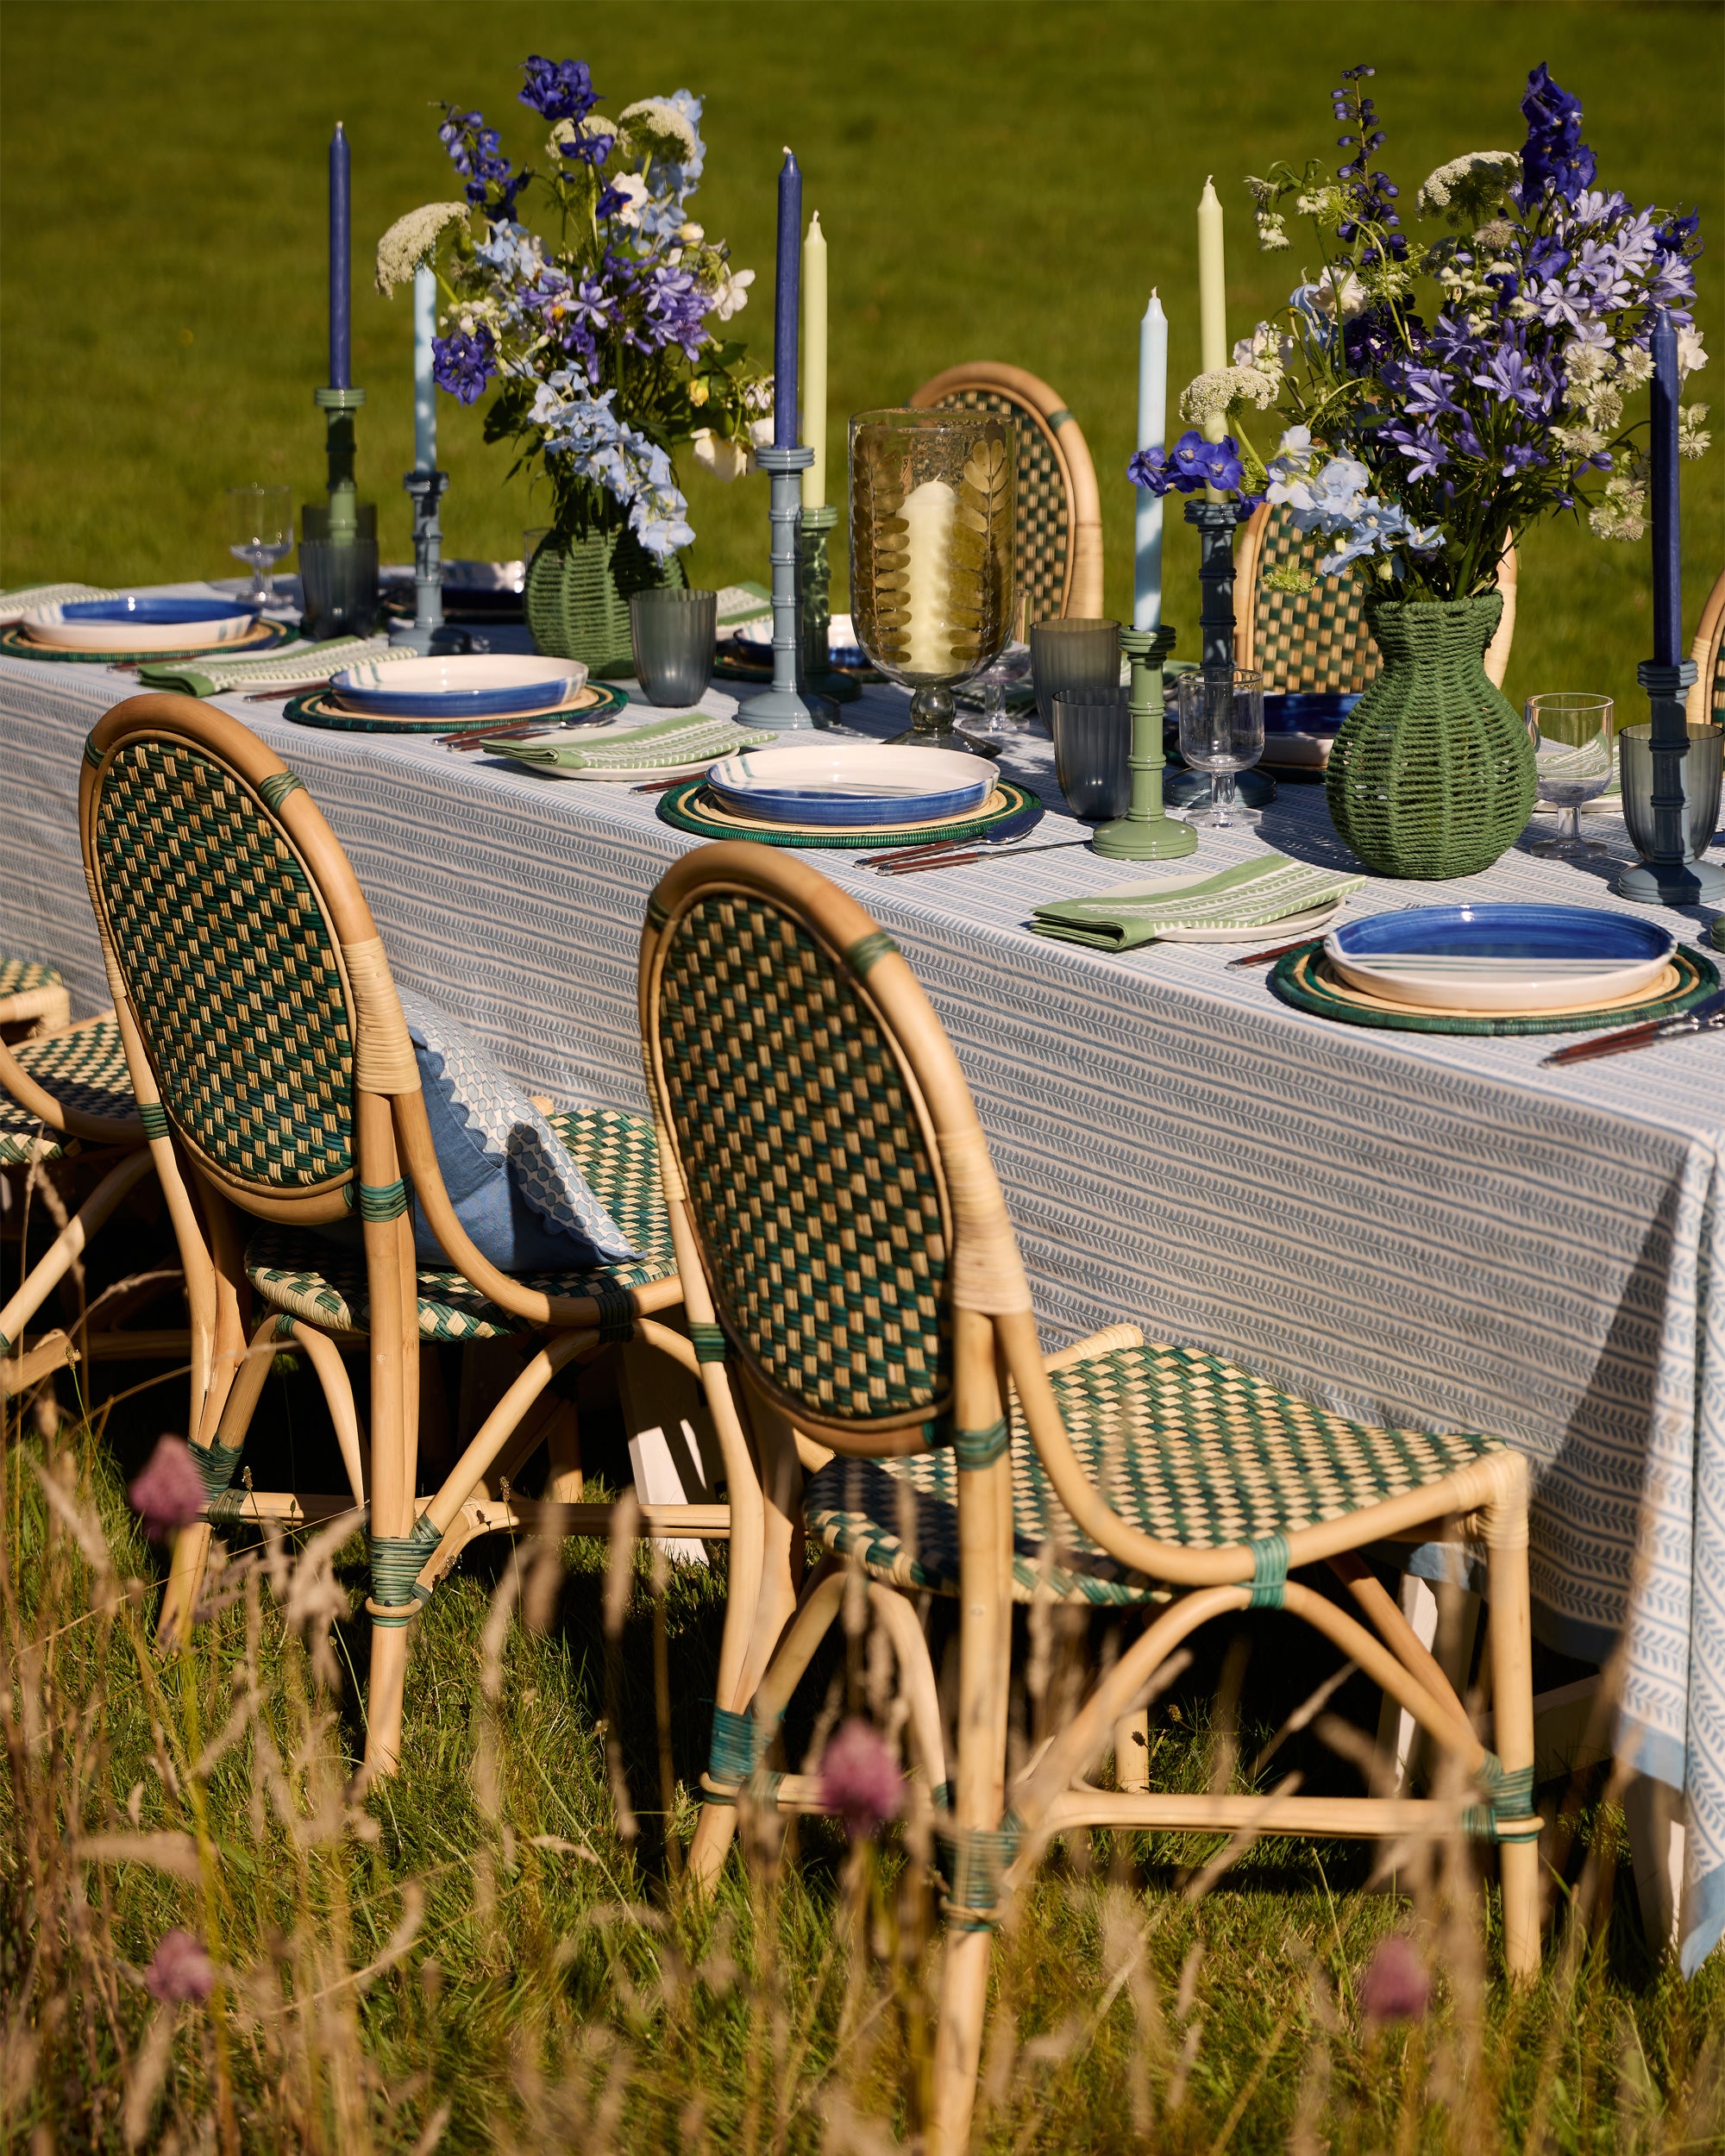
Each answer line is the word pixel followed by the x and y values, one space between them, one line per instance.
pixel 1152 428
pixel 424 388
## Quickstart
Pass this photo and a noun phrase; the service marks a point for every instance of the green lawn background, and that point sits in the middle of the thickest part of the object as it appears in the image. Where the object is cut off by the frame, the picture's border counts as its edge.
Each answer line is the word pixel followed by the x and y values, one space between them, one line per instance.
pixel 996 179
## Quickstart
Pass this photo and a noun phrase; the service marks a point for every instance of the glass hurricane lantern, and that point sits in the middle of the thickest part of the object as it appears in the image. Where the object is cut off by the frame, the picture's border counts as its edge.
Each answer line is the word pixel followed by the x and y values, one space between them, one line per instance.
pixel 933 503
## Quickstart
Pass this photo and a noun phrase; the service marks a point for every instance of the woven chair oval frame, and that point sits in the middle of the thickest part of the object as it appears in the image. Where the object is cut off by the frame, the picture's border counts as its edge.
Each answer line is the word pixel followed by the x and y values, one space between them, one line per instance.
pixel 1318 639
pixel 269 1080
pixel 1705 703
pixel 1059 539
pixel 769 996
pixel 43 1080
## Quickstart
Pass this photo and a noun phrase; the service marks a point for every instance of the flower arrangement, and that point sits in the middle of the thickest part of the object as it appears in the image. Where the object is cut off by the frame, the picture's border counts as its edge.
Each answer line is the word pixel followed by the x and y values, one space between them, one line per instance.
pixel 1460 388
pixel 601 342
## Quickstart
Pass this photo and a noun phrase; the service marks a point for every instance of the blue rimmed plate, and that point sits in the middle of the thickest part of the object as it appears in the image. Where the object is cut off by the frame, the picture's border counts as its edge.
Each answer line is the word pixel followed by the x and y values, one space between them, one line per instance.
pixel 1521 959
pixel 139 623
pixel 853 784
pixel 485 685
pixel 1306 710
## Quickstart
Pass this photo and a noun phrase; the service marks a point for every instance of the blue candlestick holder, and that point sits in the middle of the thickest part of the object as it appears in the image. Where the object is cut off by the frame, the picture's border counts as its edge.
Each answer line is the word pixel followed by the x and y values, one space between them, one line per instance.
pixel 428 632
pixel 781 708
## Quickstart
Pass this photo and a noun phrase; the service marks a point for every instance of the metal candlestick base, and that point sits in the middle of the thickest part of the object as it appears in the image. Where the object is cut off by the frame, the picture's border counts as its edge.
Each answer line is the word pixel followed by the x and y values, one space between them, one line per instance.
pixel 1664 878
pixel 781 710
pixel 1146 832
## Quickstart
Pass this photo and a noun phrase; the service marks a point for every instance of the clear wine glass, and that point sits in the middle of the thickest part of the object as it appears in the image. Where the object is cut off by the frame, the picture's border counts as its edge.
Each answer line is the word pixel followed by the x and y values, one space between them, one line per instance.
pixel 1574 739
pixel 1221 731
pixel 260 532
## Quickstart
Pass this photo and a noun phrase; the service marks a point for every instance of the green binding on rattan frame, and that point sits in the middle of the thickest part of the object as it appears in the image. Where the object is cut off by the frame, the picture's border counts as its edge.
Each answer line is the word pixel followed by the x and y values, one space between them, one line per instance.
pixel 577 594
pixel 1431 776
pixel 232 967
pixel 786 1083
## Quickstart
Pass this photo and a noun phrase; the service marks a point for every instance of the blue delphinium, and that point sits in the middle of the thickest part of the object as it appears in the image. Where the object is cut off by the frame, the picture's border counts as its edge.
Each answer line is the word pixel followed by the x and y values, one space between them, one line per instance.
pixel 603 348
pixel 1451 430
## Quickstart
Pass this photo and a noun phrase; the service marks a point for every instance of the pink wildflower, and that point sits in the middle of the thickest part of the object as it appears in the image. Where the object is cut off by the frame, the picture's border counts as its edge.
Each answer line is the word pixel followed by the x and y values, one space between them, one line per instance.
pixel 860 1779
pixel 1396 1987
pixel 181 1970
pixel 169 1491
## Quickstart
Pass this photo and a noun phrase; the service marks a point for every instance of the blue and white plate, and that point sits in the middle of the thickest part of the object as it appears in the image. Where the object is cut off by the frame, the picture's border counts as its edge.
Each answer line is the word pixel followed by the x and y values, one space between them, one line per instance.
pixel 1521 959
pixel 854 783
pixel 494 685
pixel 139 623
pixel 1306 710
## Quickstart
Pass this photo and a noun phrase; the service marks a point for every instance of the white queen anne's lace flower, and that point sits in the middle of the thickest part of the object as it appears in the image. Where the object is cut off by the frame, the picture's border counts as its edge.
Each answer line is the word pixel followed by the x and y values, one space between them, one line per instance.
pixel 1210 395
pixel 655 126
pixel 412 240
pixel 1462 190
pixel 1692 438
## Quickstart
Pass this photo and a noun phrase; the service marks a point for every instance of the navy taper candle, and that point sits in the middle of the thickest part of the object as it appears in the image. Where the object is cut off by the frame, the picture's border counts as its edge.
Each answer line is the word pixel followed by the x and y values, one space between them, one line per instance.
pixel 786 304
pixel 341 354
pixel 1667 547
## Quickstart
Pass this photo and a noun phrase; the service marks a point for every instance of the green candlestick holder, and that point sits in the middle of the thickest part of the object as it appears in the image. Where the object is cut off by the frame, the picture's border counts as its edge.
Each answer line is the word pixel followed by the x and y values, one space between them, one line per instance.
pixel 815 676
pixel 1146 832
pixel 338 407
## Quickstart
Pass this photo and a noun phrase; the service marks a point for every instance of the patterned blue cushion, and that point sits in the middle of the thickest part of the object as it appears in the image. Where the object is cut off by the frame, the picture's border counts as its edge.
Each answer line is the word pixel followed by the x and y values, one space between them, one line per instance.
pixel 513 1185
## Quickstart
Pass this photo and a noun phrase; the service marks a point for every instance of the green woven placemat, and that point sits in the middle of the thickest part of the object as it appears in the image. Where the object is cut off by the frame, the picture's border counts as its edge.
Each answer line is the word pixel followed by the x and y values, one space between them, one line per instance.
pixel 321 709
pixel 1295 979
pixel 17 645
pixel 690 808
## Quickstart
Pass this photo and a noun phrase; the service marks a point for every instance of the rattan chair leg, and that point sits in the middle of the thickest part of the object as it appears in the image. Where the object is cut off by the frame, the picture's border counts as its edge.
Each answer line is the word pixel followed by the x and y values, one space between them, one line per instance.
pixel 325 1358
pixel 781 1543
pixel 185 1580
pixel 392 1284
pixel 1510 1642
pixel 63 1253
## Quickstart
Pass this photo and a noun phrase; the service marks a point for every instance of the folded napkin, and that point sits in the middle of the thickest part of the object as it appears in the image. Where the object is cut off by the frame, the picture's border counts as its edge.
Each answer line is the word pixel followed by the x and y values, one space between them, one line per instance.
pixel 742 602
pixel 280 668
pixel 14 605
pixel 684 737
pixel 1252 895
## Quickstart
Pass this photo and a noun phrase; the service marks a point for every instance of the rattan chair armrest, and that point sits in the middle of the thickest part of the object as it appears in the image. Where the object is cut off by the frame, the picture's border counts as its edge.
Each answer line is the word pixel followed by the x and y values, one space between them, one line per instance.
pixel 94 1130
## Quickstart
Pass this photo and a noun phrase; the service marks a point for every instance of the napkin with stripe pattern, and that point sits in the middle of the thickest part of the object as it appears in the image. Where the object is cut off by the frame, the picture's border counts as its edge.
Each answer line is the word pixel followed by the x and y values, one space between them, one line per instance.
pixel 685 738
pixel 286 667
pixel 1252 895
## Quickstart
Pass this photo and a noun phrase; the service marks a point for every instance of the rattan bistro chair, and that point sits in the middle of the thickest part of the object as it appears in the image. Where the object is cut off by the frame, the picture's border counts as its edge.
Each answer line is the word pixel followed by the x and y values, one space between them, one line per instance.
pixel 1059 530
pixel 1318 638
pixel 33 995
pixel 849 1231
pixel 276 1080
pixel 63 1092
pixel 1706 699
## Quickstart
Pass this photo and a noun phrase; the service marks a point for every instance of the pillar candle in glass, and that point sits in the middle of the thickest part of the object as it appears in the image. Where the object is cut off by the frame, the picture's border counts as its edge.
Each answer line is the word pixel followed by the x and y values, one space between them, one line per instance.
pixel 1152 414
pixel 814 362
pixel 341 360
pixel 424 387
pixel 785 323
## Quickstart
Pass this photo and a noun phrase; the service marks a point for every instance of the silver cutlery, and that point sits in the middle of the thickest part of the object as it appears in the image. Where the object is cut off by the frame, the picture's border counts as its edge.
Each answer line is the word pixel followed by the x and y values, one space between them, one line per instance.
pixel 939 847
pixel 1706 1017
pixel 962 857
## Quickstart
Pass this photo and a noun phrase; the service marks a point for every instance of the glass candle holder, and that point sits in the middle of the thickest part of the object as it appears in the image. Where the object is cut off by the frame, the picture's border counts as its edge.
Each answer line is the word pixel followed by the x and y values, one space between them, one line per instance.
pixel 1092 742
pixel 933 503
pixel 1703 769
pixel 674 635
pixel 1072 652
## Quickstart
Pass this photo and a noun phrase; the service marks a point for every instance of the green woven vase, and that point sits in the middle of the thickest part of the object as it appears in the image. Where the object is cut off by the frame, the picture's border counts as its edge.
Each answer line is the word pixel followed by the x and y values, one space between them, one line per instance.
pixel 1433 773
pixel 577 591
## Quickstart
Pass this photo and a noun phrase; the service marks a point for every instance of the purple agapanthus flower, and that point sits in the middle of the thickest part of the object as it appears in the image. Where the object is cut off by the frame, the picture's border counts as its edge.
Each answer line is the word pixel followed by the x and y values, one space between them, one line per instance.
pixel 562 89
pixel 1422 446
pixel 1510 378
pixel 1553 154
pixel 463 364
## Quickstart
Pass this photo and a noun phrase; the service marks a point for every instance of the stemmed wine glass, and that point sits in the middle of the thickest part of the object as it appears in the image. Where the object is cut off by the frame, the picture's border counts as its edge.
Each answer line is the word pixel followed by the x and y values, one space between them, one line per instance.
pixel 260 532
pixel 1221 731
pixel 1574 739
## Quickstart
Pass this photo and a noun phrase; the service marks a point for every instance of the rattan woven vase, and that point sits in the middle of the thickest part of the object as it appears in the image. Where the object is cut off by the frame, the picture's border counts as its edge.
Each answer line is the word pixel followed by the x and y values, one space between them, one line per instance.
pixel 1433 773
pixel 577 595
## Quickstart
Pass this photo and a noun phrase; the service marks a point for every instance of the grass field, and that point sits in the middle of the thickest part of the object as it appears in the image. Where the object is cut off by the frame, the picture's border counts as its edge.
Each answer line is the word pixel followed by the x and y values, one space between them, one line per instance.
pixel 996 180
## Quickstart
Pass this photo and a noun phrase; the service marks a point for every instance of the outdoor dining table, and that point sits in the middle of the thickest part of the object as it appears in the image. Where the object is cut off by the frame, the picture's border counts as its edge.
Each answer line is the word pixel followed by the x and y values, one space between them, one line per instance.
pixel 1405 1227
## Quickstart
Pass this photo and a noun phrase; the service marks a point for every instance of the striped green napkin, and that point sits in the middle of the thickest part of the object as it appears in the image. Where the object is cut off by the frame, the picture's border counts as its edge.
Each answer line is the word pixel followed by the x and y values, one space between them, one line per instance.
pixel 280 668
pixel 1252 895
pixel 685 738
pixel 15 605
pixel 739 602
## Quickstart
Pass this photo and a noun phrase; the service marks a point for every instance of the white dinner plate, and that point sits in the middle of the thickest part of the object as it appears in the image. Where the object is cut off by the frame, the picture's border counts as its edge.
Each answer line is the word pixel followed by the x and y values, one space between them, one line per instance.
pixel 142 621
pixel 1265 933
pixel 853 783
pixel 1479 957
pixel 500 684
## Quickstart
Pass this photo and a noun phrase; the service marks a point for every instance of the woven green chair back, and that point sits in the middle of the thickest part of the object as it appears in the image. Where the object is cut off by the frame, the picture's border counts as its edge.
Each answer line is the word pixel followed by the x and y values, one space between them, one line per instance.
pixel 230 964
pixel 1316 639
pixel 1718 713
pixel 810 1181
pixel 1042 534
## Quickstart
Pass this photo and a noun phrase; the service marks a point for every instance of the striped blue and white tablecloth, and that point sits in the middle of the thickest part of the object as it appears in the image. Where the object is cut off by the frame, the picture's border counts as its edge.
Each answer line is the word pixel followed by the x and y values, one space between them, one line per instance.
pixel 1405 1227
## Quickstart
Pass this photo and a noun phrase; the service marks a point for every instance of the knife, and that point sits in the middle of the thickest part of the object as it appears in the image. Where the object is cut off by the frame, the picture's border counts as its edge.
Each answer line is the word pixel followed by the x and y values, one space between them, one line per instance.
pixel 1706 1017
pixel 964 856
pixel 1278 950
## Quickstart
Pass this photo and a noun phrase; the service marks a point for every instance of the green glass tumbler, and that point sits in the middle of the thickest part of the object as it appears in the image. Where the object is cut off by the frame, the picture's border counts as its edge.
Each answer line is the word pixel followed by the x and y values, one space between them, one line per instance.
pixel 1070 652
pixel 1702 770
pixel 675 635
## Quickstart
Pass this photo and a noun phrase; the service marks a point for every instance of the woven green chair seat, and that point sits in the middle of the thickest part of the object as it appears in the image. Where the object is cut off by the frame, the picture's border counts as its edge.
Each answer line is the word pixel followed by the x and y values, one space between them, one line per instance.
pixel 1184 1446
pixel 309 1277
pixel 19 976
pixel 86 1069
